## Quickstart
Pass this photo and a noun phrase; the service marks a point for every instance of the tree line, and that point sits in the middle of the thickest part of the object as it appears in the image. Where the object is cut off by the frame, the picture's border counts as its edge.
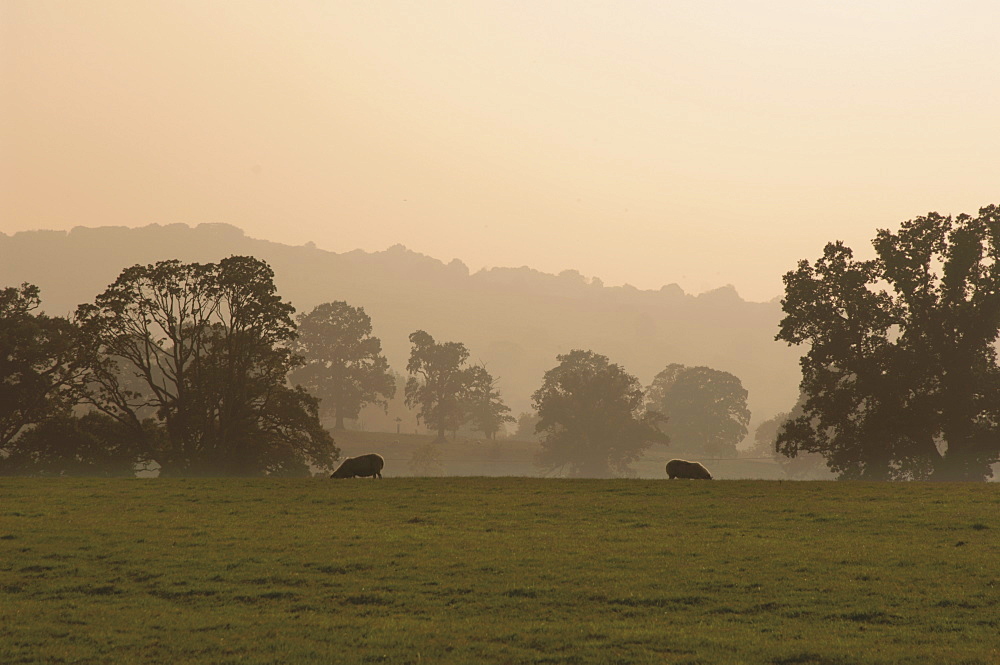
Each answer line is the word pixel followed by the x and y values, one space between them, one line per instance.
pixel 200 369
pixel 181 366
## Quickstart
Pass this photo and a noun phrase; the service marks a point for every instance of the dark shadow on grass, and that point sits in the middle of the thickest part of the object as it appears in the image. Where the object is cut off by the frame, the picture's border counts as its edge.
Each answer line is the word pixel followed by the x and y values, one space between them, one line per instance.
pixel 188 593
pixel 368 599
pixel 662 601
pixel 343 570
pixel 809 658
pixel 521 593
pixel 873 617
pixel 269 595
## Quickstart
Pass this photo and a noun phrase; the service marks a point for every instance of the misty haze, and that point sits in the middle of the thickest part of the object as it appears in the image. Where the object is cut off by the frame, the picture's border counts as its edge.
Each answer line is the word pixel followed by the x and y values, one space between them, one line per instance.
pixel 483 332
pixel 513 321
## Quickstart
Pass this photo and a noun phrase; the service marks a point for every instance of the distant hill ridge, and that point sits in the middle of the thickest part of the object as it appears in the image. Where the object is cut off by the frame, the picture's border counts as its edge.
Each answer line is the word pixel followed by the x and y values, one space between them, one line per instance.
pixel 516 320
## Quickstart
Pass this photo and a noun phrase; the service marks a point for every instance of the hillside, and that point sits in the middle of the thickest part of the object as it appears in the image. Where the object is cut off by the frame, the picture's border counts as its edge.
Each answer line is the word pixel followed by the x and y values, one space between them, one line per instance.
pixel 516 320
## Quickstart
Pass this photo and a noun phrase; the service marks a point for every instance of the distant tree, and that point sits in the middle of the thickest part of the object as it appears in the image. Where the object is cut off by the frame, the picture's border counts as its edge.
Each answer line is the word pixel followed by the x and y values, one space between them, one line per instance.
pixel 766 435
pixel 706 409
pixel 526 423
pixel 591 417
pixel 344 365
pixel 901 376
pixel 484 406
pixel 209 344
pixel 440 382
pixel 65 445
pixel 804 466
pixel 43 362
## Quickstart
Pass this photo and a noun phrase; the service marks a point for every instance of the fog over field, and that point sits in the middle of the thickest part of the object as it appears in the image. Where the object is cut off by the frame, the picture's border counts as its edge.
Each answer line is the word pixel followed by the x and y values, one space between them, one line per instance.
pixel 499 331
pixel 515 320
pixel 552 197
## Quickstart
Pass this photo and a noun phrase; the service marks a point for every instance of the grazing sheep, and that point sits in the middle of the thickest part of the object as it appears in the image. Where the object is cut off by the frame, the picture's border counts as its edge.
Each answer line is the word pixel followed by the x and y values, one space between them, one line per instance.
pixel 678 468
pixel 364 465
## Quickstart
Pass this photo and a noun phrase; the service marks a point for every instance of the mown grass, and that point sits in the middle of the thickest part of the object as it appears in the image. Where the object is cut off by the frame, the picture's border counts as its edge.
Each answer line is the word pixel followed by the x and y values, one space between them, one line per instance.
pixel 497 570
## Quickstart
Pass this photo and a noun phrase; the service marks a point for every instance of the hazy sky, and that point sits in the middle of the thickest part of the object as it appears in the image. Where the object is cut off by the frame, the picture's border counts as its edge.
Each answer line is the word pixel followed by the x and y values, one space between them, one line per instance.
pixel 704 142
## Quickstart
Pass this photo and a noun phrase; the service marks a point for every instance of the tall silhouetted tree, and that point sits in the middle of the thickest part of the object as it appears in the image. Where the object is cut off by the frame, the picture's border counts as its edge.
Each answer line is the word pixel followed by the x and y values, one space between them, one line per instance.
pixel 485 408
pixel 344 365
pixel 591 417
pixel 706 409
pixel 440 382
pixel 901 377
pixel 209 345
pixel 43 362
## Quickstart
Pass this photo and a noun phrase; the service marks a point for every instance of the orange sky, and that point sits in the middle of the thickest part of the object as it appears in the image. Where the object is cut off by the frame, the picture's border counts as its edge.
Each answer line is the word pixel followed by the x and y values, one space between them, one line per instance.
pixel 704 142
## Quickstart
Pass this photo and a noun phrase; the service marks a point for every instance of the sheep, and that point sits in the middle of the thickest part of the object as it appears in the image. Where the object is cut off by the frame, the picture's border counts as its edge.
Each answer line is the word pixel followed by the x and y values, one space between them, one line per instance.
pixel 678 468
pixel 364 465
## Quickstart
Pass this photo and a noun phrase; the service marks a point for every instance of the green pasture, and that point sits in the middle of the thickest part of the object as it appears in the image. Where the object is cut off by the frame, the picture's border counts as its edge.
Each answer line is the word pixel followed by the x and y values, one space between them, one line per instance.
pixel 498 570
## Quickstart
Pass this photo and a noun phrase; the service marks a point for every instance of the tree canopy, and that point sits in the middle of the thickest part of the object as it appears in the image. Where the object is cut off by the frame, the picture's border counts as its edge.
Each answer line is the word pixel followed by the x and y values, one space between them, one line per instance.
pixel 209 347
pixel 900 376
pixel 485 408
pixel 439 383
pixel 705 409
pixel 344 365
pixel 592 418
pixel 44 361
pixel 65 445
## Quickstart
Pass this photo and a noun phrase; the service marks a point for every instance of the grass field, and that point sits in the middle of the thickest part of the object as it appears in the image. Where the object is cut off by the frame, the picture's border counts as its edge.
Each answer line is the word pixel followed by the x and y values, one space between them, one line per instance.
pixel 497 570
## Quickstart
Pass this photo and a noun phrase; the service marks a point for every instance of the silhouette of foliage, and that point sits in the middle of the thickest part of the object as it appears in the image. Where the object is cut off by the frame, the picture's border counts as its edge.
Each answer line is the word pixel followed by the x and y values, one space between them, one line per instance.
pixel 485 408
pixel 519 313
pixel 209 343
pixel 344 365
pixel 43 362
pixel 440 382
pixel 591 417
pixel 706 409
pixel 804 466
pixel 92 445
pixel 901 377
